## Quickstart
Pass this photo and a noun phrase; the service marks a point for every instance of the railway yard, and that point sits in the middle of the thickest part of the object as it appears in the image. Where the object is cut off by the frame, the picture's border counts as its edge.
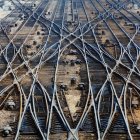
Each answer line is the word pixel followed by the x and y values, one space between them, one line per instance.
pixel 69 70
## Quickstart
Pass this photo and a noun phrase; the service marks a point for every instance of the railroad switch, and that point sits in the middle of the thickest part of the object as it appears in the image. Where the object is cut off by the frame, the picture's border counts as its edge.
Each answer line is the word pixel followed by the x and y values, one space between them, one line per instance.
pixel 10 104
pixel 6 131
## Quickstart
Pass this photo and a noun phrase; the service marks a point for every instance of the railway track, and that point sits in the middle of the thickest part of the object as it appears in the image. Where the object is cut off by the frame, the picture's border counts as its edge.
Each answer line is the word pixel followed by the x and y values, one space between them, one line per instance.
pixel 69 70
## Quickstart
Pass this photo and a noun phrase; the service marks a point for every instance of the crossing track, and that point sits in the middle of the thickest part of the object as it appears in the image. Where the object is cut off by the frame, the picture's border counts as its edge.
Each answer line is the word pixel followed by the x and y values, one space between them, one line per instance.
pixel 35 45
